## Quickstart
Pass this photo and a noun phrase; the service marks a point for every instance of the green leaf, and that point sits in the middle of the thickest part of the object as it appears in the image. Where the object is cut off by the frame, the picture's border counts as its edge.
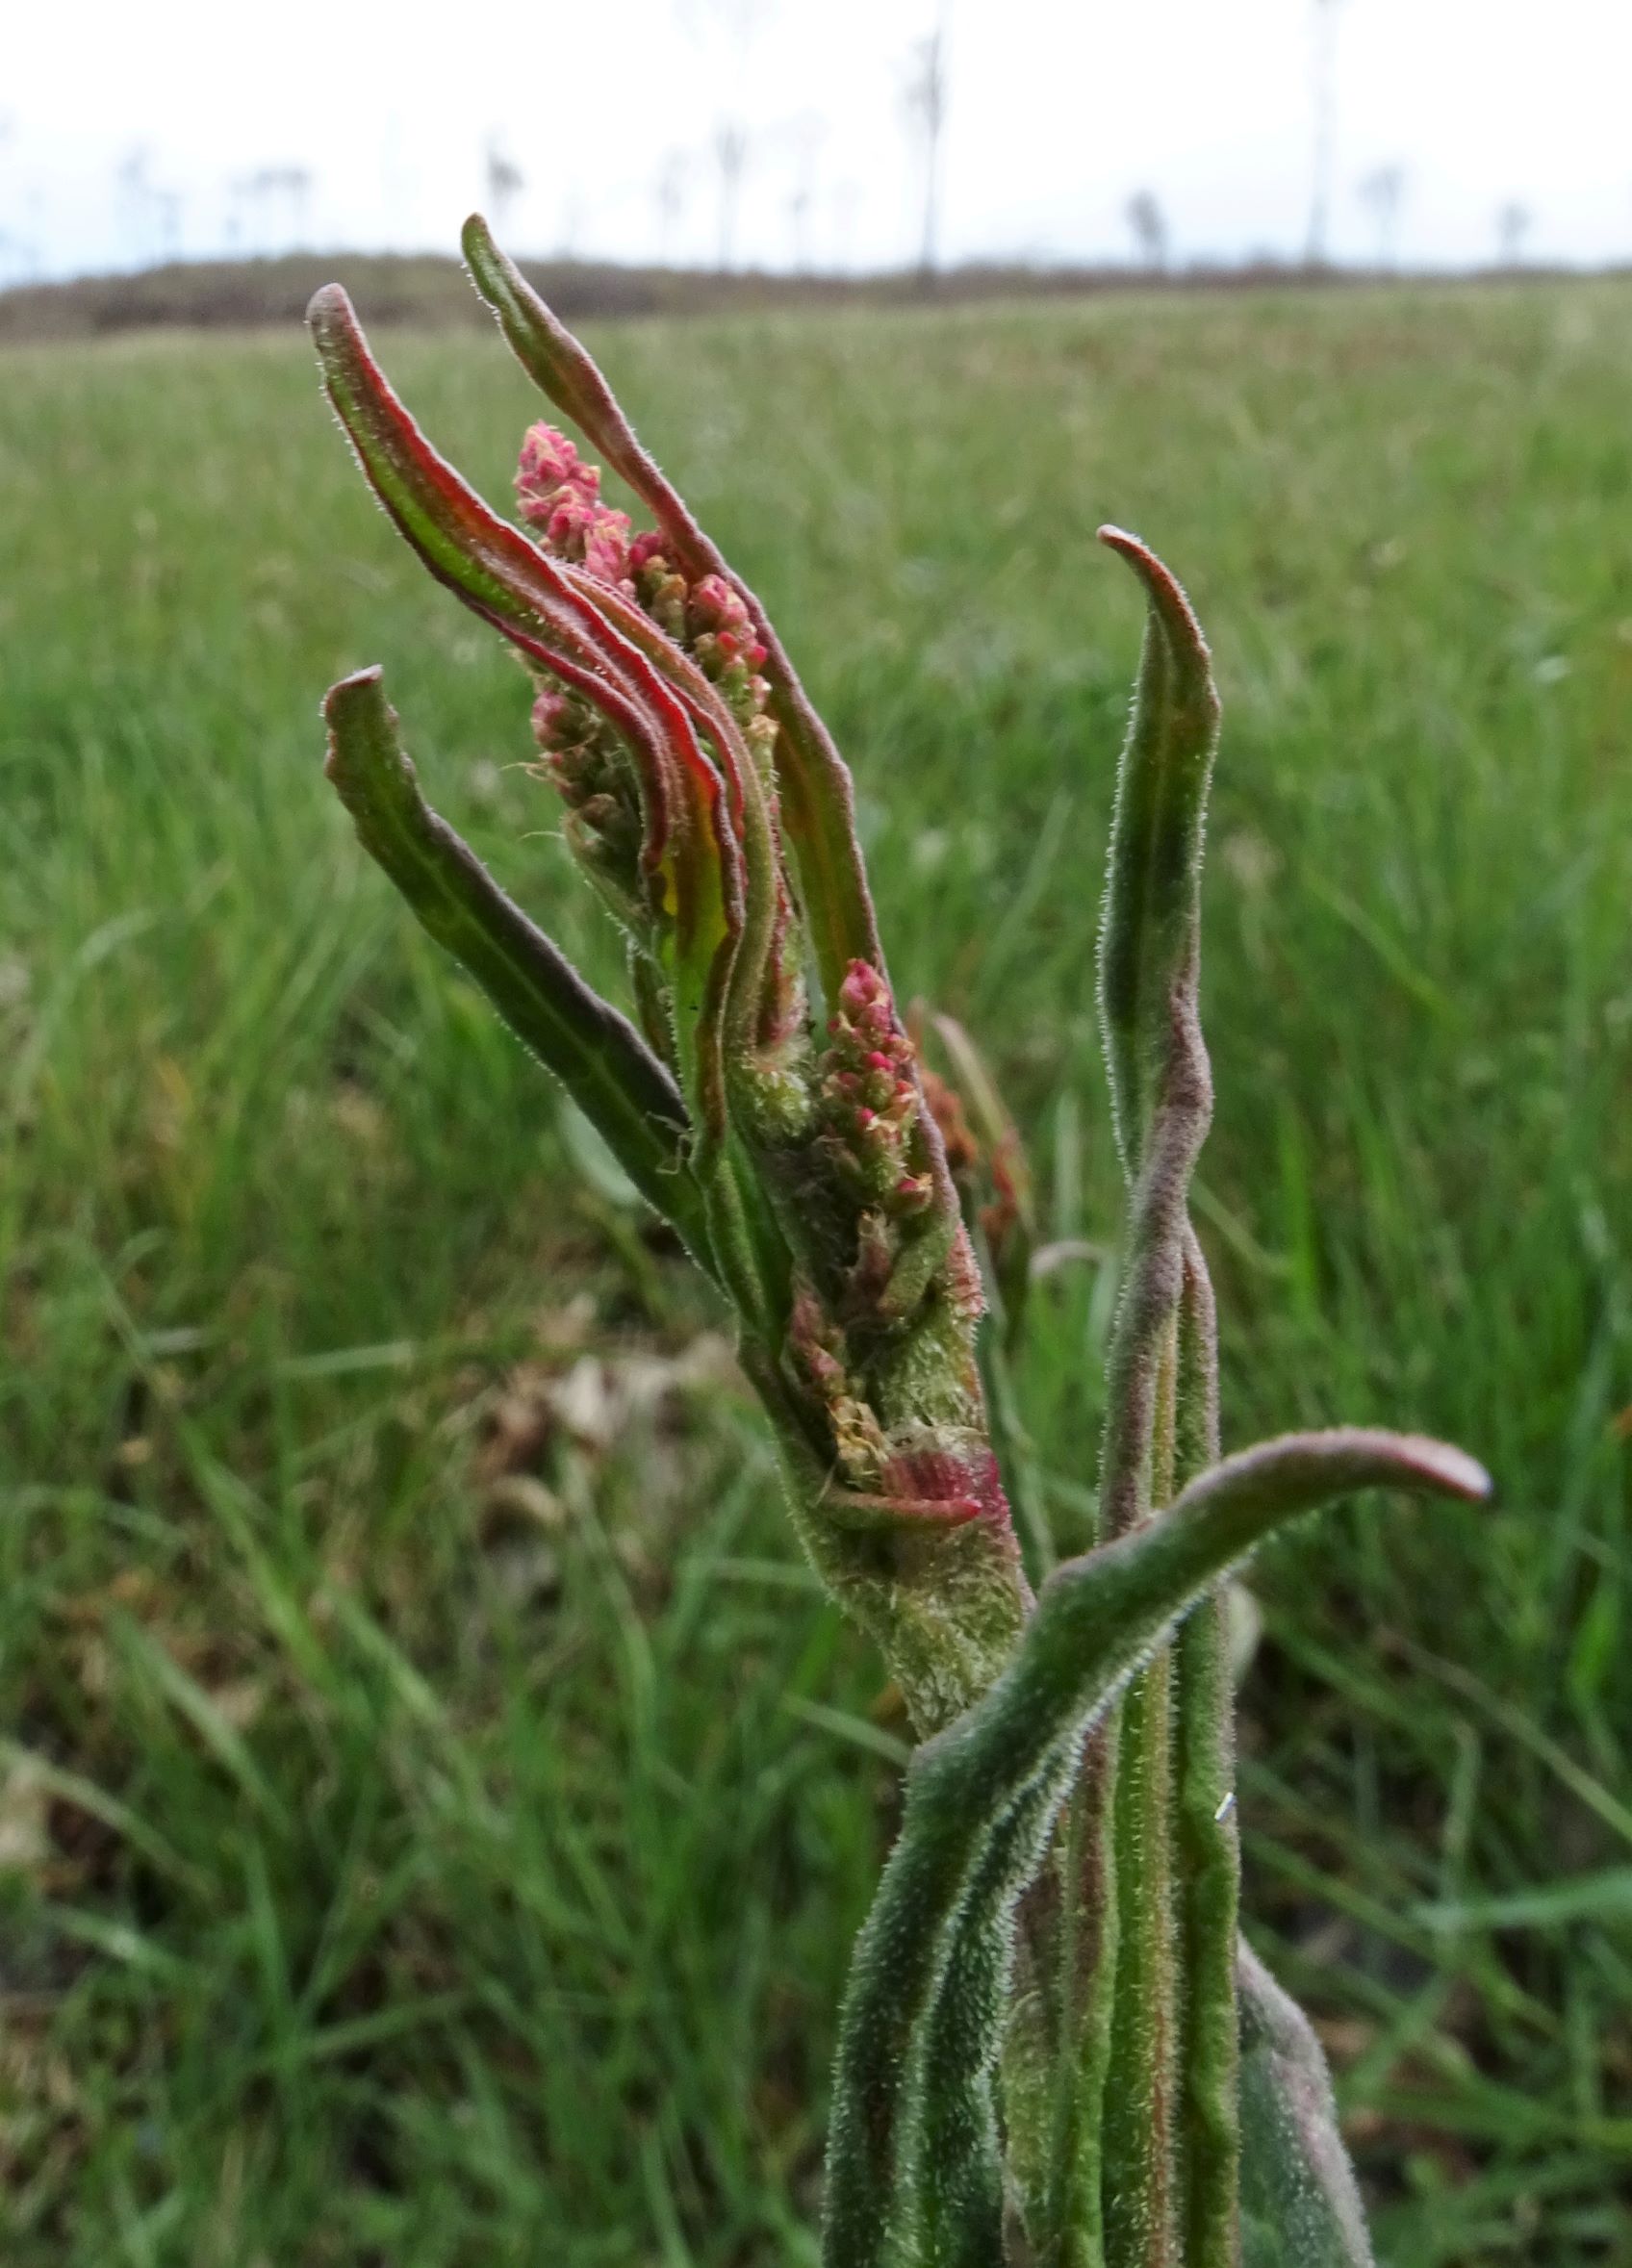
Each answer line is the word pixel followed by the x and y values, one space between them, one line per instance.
pixel 1004 1176
pixel 599 1059
pixel 1300 2204
pixel 913 2170
pixel 1150 950
pixel 1162 1097
pixel 1151 927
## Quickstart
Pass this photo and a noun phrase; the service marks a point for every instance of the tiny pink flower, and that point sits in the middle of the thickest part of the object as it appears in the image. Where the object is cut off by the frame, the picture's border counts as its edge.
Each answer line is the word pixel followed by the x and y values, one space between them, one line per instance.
pixel 607 545
pixel 646 550
pixel 550 465
pixel 550 713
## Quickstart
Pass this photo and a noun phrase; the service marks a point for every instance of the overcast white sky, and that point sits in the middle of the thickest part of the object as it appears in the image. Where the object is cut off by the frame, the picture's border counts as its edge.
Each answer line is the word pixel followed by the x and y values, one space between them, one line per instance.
pixel 1056 111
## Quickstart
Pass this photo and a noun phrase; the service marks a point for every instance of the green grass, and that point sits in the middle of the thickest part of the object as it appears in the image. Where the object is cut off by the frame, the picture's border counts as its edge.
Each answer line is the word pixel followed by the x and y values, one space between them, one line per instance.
pixel 437 1805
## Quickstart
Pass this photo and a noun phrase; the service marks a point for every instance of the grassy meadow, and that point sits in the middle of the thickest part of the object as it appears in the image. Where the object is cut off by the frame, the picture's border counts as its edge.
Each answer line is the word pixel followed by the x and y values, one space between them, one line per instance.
pixel 434 1803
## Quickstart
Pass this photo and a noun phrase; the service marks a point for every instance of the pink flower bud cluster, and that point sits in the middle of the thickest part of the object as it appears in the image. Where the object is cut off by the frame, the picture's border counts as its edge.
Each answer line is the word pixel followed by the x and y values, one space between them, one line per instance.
pixel 724 641
pixel 711 620
pixel 560 497
pixel 588 764
pixel 868 1098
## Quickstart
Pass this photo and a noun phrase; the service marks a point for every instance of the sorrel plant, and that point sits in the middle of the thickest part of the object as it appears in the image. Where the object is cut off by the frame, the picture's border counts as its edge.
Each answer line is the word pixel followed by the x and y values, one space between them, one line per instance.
pixel 1055 2048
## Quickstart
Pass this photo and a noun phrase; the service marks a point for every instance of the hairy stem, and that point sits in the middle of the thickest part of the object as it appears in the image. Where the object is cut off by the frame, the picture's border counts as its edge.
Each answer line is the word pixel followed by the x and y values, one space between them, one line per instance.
pixel 1205 1834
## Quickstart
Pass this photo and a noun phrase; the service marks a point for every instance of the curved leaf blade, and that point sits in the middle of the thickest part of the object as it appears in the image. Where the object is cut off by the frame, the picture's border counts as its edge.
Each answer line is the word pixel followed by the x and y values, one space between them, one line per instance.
pixel 747 815
pixel 689 849
pixel 908 2148
pixel 1300 2203
pixel 598 1055
pixel 1150 930
pixel 460 538
pixel 1161 1100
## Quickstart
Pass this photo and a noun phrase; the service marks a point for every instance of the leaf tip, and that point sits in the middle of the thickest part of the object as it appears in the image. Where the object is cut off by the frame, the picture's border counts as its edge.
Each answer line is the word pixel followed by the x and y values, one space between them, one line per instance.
pixel 345 690
pixel 329 309
pixel 348 702
pixel 1166 595
pixel 1449 1471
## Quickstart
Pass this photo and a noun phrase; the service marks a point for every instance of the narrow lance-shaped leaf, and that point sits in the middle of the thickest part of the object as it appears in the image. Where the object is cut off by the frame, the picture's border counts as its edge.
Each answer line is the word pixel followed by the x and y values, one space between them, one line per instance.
pixel 1149 963
pixel 1064 2200
pixel 497 569
pixel 599 1059
pixel 1162 1103
pixel 719 961
pixel 749 816
pixel 992 1176
pixel 1300 2204
pixel 818 799
pixel 912 2167
pixel 688 847
pixel 1138 2171
pixel 466 545
pixel 701 914
pixel 954 2196
pixel 816 795
pixel 1151 929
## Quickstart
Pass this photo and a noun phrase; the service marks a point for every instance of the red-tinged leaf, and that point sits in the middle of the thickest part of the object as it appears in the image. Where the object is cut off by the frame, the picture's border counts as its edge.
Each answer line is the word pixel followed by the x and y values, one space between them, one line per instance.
pixel 817 797
pixel 750 819
pixel 689 848
pixel 1006 1218
pixel 697 895
pixel 460 539
pixel 480 557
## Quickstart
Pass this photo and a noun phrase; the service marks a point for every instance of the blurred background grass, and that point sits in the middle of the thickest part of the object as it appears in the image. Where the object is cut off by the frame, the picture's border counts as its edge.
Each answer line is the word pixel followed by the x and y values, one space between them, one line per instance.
pixel 435 1805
